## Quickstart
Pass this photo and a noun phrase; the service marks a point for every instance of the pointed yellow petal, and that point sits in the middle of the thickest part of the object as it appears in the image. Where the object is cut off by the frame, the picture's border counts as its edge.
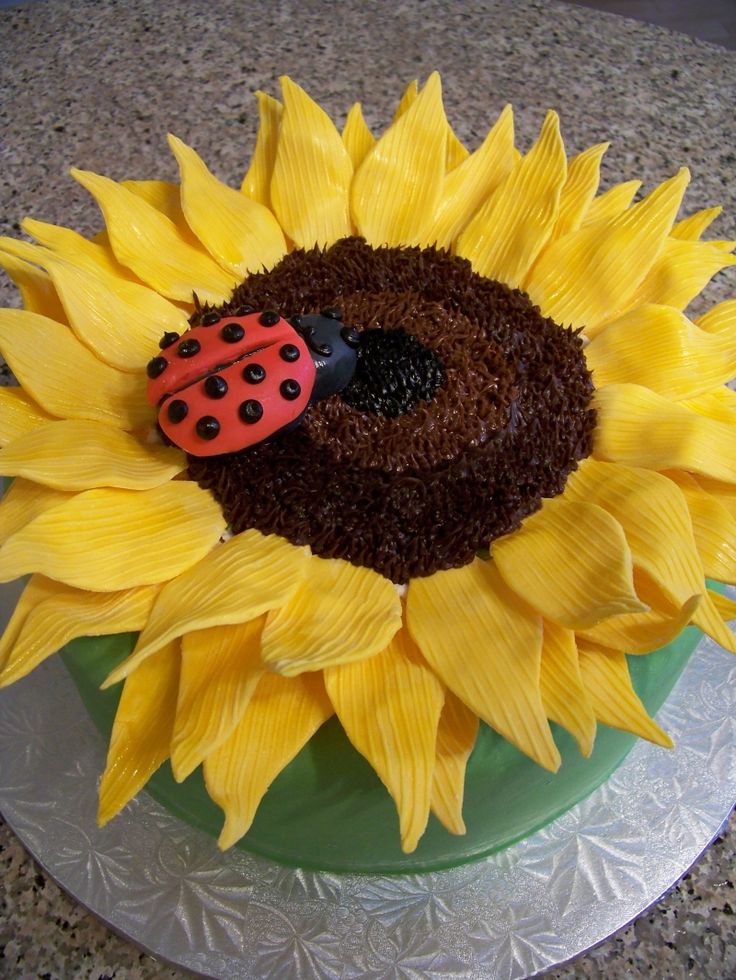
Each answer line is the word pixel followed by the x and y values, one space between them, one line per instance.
pixel 571 562
pixel 564 697
pixel 659 348
pixel 68 614
pixel 714 529
pixel 281 717
pixel 455 152
pixel 164 197
pixel 65 378
pixel 107 540
pixel 220 668
pixel 719 404
pixel 720 317
pixel 397 188
pixel 356 136
pixel 512 227
pixel 37 292
pixel 236 582
pixel 257 181
pixel 641 428
pixel 149 243
pixel 141 732
pixel 611 203
pixel 491 657
pixel 726 607
pixel 103 457
pixel 466 187
pixel 239 233
pixel 606 678
pixel 339 613
pixel 389 706
pixel 724 493
pixel 408 98
pixel 589 276
pixel 37 589
pixel 311 173
pixel 691 229
pixel 456 735
pixel 583 177
pixel 73 247
pixel 23 501
pixel 18 414
pixel 681 272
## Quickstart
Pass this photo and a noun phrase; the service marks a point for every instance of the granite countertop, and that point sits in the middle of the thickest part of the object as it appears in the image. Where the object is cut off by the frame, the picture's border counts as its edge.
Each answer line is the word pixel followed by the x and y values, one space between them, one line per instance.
pixel 98 83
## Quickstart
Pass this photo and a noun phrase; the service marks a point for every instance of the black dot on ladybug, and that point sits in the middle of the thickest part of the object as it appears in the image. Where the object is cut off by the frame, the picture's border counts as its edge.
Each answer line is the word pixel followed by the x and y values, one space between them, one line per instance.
pixel 215 386
pixel 290 389
pixel 320 348
pixel 188 348
pixel 168 339
pixel 332 312
pixel 351 336
pixel 210 319
pixel 254 373
pixel 289 353
pixel 250 411
pixel 269 318
pixel 231 333
pixel 156 366
pixel 177 410
pixel 208 427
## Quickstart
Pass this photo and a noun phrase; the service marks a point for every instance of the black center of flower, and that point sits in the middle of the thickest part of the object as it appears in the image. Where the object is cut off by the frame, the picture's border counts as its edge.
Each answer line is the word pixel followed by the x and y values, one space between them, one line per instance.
pixel 393 374
pixel 467 409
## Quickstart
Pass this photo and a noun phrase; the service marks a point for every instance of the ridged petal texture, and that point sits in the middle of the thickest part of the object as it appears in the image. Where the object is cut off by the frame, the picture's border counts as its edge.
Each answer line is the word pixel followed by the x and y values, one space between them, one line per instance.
pixel 510 230
pixel 690 229
pixel 396 189
pixel 18 414
pixel 66 613
pixel 491 656
pixel 149 243
pixel 591 275
pixel 611 203
pixel 220 668
pixel 281 717
pixel 681 271
pixel 456 735
pixel 356 136
pixel 24 500
pixel 110 539
pixel 37 291
pixel 389 706
pixel 658 347
pixel 311 173
pixel 236 582
pixel 339 613
pixel 70 245
pixel 257 181
pixel 238 232
pixel 606 677
pixel 720 317
pixel 563 695
pixel 141 732
pixel 571 562
pixel 578 191
pixel 714 529
pixel 103 457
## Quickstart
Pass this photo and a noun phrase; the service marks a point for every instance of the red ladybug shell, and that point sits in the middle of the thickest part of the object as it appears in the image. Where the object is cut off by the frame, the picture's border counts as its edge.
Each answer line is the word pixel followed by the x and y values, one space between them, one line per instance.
pixel 215 382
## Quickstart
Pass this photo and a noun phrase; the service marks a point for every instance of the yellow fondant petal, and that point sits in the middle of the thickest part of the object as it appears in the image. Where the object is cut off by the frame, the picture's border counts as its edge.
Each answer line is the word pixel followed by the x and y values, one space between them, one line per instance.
pixel 408 98
pixel 389 705
pixel 149 243
pixel 589 276
pixel 36 289
pixel 397 188
pixel 37 589
pixel 356 136
pixel 714 529
pixel 691 229
pixel 103 456
pixel 23 501
pixel 606 678
pixel 19 414
pixel 659 348
pixel 340 613
pixel 491 656
pixel 718 404
pixel 638 427
pixel 510 230
pixel 311 173
pixel 456 735
pixel 724 492
pixel 238 232
pixel 611 203
pixel 720 317
pixel 578 191
pixel 69 613
pixel 726 607
pixel 65 378
pixel 108 539
pixel 563 695
pixel 166 198
pixel 257 181
pixel 571 562
pixel 73 247
pixel 236 582
pixel 281 717
pixel 141 732
pixel 220 668
pixel 680 272
pixel 466 187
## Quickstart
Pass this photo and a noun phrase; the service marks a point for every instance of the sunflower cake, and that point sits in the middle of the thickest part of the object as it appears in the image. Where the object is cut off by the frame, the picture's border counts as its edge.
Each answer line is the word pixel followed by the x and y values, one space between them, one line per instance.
pixel 412 436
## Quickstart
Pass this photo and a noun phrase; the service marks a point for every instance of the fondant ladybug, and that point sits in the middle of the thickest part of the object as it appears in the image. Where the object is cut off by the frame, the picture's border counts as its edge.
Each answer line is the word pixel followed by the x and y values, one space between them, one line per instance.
pixel 236 380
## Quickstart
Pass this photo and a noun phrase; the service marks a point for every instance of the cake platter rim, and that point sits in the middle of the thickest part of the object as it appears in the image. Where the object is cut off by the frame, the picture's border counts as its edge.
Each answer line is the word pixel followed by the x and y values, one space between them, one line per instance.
pixel 599 862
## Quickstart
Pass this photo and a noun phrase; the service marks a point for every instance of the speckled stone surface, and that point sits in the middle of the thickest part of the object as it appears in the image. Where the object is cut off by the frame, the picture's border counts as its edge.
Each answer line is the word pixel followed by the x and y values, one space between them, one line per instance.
pixel 98 83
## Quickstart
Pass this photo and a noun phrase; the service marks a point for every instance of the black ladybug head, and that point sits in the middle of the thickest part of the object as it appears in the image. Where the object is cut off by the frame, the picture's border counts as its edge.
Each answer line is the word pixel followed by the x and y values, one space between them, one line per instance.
pixel 334 350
